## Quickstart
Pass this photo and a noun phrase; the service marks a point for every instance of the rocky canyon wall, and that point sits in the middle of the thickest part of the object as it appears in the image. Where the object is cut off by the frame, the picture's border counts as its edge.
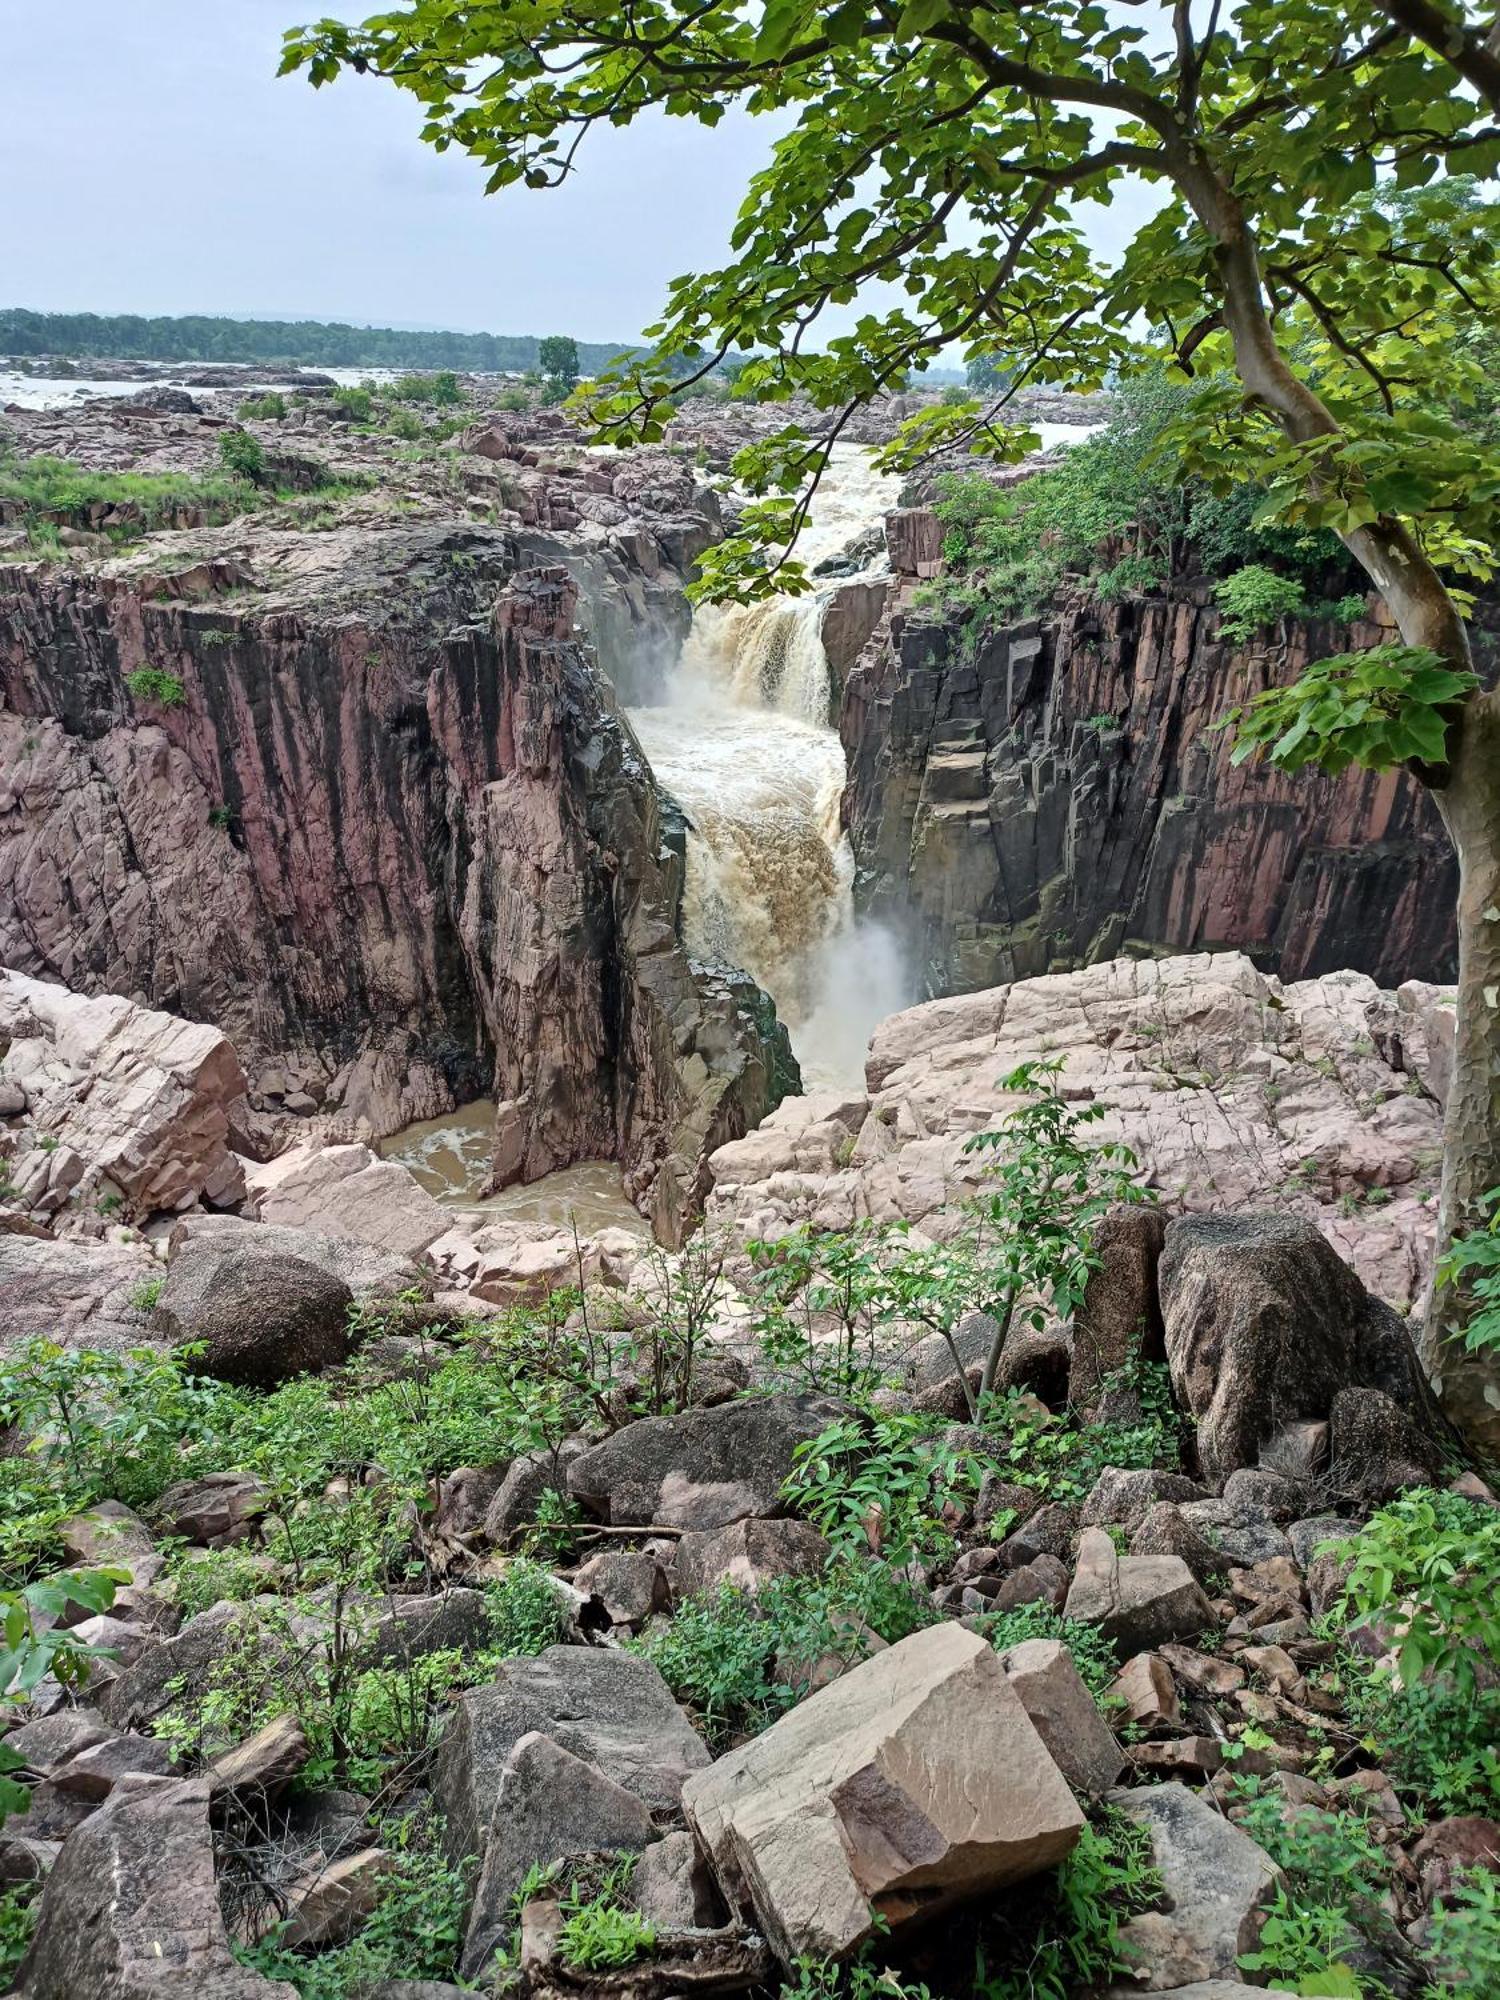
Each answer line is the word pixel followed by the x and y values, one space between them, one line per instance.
pixel 1055 792
pixel 387 828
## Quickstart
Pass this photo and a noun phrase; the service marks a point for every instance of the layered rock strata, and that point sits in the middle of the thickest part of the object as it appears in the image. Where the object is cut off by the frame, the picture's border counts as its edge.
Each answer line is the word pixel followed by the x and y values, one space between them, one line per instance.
pixel 1046 794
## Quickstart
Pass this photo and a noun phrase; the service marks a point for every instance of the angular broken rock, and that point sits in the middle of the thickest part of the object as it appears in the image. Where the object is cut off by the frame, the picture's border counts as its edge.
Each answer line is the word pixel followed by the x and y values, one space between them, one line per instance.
pixel 1063 1713
pixel 264 1762
pixel 217 1508
pixel 628 1584
pixel 702 1469
pixel 612 1709
pixel 131 1909
pixel 1146 1692
pixel 330 1900
pixel 549 1806
pixel 1215 1881
pixel 1138 1601
pixel 914 1781
pixel 94 1773
pixel 747 1554
pixel 673 1889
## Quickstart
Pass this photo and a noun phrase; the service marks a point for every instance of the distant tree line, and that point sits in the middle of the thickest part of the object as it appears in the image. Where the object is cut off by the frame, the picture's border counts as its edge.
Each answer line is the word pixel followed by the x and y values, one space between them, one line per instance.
pixel 308 343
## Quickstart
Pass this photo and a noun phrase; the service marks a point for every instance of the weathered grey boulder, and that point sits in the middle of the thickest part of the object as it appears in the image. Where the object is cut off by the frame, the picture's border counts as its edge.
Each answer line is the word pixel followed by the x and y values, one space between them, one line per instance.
pixel 549 1806
pixel 519 1493
pixel 612 1709
pixel 672 1888
pixel 456 1620
pixel 1064 1714
pixel 1138 1601
pixel 702 1469
pixel 45 1745
pixel 747 1554
pixel 218 1507
pixel 179 1665
pixel 1243 1534
pixel 107 1533
pixel 131 1909
pixel 1265 1325
pixel 94 1773
pixel 1119 1319
pixel 367 1271
pixel 626 1584
pixel 261 1314
pixel 1215 1881
pixel 1122 1497
pixel 1163 1532
pixel 1378 1448
pixel 913 1781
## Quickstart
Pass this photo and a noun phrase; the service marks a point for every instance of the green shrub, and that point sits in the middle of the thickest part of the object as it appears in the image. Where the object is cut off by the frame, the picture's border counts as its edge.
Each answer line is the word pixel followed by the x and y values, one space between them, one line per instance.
pixel 20 1906
pixel 1473 1263
pixel 153 684
pixel 243 455
pixel 1463 1946
pixel 1255 597
pixel 269 407
pixel 1064 1936
pixel 1303 1949
pixel 599 1935
pixel 358 403
pixel 1093 1655
pixel 54 486
pixel 414 1931
pixel 526 1611
pixel 1428 1565
pixel 147 1294
pixel 880 1481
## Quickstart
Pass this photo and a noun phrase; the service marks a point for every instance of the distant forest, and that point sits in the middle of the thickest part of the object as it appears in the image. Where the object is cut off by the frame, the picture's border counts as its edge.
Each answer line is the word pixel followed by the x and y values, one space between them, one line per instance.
pixel 310 343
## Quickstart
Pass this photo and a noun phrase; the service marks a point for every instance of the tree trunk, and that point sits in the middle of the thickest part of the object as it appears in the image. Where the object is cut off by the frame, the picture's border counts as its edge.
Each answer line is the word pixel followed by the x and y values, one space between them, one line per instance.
pixel 1469 1385
pixel 1466 790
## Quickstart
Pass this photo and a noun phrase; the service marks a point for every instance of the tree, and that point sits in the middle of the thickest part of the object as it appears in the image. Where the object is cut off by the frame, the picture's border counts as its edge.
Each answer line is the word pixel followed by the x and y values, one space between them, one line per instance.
pixel 1319 255
pixel 557 357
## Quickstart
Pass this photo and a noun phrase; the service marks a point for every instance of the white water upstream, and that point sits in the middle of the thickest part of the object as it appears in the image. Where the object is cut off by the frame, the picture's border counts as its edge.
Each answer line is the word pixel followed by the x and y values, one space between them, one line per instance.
pixel 743 744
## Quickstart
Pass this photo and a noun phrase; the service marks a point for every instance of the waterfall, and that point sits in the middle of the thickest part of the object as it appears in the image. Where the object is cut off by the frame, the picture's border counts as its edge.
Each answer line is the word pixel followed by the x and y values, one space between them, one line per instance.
pixel 744 744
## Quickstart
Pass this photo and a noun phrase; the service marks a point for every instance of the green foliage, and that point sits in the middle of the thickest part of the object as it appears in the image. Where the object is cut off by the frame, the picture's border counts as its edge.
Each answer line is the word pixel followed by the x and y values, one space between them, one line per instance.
pixel 145 1296
pixel 1302 1947
pixel 33 1645
pixel 358 403
pixel 880 1482
pixel 1463 1944
pixel 1428 1566
pixel 1335 1867
pixel 526 1612
pixel 1062 1459
pixel 243 455
pixel 270 406
pixel 1093 1655
pixel 740 1660
pixel 154 684
pixel 599 1936
pixel 20 1906
pixel 1380 709
pixel 810 1284
pixel 442 390
pixel 1066 1937
pixel 414 1931
pixel 1473 1263
pixel 1254 597
pixel 141 501
pixel 1440 1748
pixel 863 1979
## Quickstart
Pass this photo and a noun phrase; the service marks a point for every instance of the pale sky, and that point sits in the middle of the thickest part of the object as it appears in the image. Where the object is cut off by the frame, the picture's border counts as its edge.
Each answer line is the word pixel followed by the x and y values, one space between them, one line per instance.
pixel 151 162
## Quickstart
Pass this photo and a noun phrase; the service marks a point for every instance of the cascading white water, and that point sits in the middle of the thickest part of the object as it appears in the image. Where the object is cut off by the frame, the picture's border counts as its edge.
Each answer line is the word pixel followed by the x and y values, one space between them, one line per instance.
pixel 744 745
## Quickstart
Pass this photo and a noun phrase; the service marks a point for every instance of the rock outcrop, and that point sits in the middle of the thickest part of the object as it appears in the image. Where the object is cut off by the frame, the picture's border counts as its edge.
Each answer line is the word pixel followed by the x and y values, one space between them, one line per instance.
pixel 1055 792
pixel 1234 1090
pixel 393 837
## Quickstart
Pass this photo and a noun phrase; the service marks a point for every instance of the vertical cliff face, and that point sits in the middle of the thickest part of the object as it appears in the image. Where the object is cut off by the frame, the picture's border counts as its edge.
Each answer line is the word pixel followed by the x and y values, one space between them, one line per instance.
pixel 1057 793
pixel 392 835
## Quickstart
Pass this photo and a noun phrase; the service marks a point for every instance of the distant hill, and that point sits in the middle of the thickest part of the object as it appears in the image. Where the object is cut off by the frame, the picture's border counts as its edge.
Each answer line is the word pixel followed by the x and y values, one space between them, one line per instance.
pixel 308 343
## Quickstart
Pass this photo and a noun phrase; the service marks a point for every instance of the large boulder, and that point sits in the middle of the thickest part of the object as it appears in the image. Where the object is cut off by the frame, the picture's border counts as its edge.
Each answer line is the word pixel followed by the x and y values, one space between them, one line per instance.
pixel 141 1098
pixel 131 1909
pixel 261 1314
pixel 1265 1325
pixel 346 1191
pixel 79 1294
pixel 703 1469
pixel 1215 1881
pixel 370 1271
pixel 612 1709
pixel 914 1781
pixel 1119 1318
pixel 549 1806
pixel 747 1554
pixel 1064 1713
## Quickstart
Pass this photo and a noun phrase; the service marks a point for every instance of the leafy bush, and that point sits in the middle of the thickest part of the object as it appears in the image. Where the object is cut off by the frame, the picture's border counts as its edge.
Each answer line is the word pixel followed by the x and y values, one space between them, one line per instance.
pixel 357 403
pixel 739 1661
pixel 269 407
pixel 414 1931
pixel 441 389
pixel 243 455
pixel 811 1283
pixel 600 1935
pixel 1064 1936
pixel 20 1906
pixel 54 486
pixel 1060 1457
pixel 1255 597
pixel 1303 1948
pixel 1464 1943
pixel 1379 709
pixel 526 1612
pixel 147 1294
pixel 1093 1655
pixel 1428 1565
pixel 153 684
pixel 1473 1262
pixel 879 1483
